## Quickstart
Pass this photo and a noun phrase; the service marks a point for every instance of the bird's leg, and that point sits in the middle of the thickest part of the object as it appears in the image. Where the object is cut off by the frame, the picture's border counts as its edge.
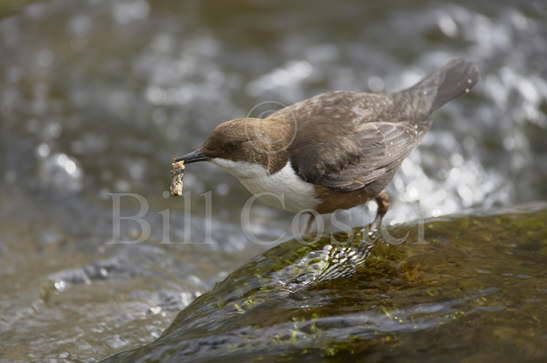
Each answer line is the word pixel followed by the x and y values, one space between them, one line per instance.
pixel 309 224
pixel 382 200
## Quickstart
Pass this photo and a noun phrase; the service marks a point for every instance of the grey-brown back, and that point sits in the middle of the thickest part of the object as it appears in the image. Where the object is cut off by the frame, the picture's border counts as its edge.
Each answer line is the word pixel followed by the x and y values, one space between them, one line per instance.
pixel 346 140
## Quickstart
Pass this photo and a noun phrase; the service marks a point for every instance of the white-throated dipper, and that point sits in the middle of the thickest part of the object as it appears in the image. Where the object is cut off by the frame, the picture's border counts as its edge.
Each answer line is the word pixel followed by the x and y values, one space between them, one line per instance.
pixel 335 150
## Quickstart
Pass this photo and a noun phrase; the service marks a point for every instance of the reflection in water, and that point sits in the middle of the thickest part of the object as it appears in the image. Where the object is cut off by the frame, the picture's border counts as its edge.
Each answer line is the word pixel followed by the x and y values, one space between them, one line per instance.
pixel 96 96
pixel 59 171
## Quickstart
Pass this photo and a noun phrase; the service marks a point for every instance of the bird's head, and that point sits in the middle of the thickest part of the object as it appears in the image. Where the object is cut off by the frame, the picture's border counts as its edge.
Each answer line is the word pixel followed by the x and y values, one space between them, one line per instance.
pixel 230 140
pixel 245 141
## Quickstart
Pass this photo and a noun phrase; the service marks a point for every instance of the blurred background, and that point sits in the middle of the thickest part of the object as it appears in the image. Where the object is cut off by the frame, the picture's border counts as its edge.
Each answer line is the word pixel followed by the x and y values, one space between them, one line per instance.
pixel 96 97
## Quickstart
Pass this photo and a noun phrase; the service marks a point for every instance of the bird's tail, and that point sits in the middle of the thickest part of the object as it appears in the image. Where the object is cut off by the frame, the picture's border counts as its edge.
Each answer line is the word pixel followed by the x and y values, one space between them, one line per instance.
pixel 434 90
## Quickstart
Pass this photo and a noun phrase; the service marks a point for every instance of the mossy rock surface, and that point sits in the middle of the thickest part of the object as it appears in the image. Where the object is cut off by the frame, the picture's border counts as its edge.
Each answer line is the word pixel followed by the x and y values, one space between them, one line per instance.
pixel 465 288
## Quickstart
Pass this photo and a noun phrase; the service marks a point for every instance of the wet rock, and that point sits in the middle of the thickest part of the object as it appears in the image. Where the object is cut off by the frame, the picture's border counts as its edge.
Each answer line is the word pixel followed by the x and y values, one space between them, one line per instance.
pixel 459 288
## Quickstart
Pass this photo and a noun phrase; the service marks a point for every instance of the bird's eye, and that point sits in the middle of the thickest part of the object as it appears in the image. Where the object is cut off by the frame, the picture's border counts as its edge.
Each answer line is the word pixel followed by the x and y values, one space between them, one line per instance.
pixel 230 145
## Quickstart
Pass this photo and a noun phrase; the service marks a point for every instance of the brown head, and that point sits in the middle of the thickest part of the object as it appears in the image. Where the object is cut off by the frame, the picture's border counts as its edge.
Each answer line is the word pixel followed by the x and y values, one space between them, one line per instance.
pixel 250 140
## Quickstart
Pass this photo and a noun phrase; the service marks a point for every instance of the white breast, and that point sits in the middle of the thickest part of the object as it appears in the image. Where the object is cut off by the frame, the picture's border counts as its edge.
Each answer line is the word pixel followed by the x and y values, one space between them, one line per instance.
pixel 295 193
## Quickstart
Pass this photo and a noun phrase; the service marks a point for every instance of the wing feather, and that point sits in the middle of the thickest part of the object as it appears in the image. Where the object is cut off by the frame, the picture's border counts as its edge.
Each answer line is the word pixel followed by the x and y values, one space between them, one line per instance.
pixel 352 161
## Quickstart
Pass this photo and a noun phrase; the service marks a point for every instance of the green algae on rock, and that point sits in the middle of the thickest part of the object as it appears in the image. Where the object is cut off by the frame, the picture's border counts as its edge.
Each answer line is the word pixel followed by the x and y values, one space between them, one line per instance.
pixel 474 288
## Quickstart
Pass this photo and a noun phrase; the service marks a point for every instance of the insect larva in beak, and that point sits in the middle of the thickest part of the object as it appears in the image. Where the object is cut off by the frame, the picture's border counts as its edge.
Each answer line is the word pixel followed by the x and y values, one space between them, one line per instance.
pixel 176 178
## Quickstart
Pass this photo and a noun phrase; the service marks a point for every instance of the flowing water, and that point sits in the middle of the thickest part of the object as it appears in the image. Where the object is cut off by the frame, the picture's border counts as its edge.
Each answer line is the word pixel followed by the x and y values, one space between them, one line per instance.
pixel 96 96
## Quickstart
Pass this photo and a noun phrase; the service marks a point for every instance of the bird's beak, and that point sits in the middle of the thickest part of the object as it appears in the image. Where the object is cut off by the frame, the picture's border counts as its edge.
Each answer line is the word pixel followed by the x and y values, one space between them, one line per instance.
pixel 193 157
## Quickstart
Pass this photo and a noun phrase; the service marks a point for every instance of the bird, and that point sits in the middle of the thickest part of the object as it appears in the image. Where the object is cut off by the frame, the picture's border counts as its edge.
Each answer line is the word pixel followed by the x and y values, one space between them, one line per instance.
pixel 335 150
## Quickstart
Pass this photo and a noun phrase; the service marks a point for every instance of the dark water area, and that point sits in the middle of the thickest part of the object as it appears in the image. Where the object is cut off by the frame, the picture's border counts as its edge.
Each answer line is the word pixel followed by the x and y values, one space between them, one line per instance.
pixel 97 96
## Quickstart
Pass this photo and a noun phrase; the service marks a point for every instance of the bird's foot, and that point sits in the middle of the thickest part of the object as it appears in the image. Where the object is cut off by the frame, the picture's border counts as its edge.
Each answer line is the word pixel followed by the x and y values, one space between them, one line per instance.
pixel 372 232
pixel 376 225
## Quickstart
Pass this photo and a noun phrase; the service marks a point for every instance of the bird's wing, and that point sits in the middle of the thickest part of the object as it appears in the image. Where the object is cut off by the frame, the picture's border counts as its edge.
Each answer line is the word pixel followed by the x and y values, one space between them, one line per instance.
pixel 351 161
